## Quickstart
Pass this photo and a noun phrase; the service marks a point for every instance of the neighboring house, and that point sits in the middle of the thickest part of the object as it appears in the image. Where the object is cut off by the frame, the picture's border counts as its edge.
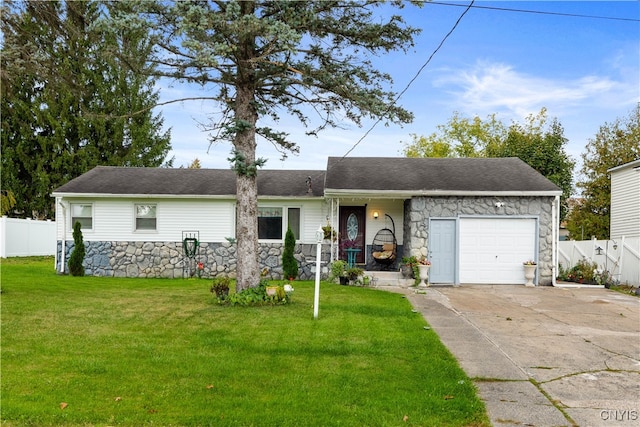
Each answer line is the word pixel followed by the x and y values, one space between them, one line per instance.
pixel 625 200
pixel 476 219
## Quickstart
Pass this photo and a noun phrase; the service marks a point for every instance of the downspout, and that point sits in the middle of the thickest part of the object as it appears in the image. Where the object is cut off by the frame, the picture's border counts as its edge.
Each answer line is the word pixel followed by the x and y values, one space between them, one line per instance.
pixel 555 219
pixel 63 251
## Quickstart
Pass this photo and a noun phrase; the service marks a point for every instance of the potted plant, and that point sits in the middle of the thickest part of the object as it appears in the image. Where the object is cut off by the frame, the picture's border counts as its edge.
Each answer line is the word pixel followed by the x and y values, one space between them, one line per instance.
pixel 339 271
pixel 423 271
pixel 353 273
pixel 329 232
pixel 407 266
pixel 529 272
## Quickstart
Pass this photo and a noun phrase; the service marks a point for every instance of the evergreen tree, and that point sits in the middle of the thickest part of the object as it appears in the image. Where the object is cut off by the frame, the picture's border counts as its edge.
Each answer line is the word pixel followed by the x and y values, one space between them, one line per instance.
pixel 260 59
pixel 76 259
pixel 68 104
pixel 289 263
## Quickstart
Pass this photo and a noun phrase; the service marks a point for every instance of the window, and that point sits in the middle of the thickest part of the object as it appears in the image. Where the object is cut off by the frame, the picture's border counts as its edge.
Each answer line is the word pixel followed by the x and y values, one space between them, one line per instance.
pixel 294 221
pixel 82 214
pixel 271 222
pixel 145 217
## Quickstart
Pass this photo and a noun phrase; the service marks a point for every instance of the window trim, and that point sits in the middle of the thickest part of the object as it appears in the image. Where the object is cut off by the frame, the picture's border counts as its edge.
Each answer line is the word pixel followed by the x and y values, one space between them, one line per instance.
pixel 285 221
pixel 71 216
pixel 135 218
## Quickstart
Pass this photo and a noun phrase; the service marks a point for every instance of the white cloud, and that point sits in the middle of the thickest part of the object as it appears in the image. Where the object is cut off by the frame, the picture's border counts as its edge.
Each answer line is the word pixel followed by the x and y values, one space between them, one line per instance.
pixel 495 87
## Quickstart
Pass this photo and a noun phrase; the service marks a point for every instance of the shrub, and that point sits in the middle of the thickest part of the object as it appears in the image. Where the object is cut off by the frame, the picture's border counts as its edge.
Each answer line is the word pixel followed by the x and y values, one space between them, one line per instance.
pixel 354 272
pixel 289 263
pixel 338 269
pixel 220 288
pixel 258 296
pixel 582 272
pixel 77 255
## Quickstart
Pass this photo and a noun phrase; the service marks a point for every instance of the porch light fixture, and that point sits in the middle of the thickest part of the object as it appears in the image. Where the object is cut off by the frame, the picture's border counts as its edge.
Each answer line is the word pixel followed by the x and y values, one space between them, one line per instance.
pixel 375 214
pixel 598 250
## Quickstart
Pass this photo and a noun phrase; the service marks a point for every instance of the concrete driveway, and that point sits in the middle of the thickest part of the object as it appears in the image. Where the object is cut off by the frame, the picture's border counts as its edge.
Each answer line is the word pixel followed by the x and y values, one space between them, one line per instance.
pixel 543 356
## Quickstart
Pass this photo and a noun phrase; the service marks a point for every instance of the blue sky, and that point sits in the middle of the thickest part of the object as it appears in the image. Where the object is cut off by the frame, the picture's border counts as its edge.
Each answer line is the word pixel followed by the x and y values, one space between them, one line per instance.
pixel 585 71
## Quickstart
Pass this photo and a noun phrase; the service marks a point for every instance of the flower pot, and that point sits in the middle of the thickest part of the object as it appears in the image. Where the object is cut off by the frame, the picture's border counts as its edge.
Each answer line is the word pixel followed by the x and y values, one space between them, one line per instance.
pixel 423 273
pixel 529 274
pixel 344 280
pixel 406 271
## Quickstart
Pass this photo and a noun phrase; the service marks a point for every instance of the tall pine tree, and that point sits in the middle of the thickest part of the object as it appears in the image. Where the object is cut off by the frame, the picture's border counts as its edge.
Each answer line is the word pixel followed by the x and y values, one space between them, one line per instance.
pixel 68 103
pixel 261 59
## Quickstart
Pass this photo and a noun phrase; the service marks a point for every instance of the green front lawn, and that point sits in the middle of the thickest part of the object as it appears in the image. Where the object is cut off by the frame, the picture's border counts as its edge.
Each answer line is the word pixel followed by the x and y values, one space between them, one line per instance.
pixel 153 351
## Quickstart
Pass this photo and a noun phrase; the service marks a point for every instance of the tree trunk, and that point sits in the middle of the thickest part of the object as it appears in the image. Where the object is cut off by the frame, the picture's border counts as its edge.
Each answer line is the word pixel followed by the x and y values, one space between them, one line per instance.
pixel 247 271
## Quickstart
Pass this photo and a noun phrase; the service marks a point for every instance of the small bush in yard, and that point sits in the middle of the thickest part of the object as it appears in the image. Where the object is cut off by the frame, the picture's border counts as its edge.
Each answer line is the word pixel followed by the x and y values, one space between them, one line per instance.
pixel 263 294
pixel 77 255
pixel 220 288
pixel 289 263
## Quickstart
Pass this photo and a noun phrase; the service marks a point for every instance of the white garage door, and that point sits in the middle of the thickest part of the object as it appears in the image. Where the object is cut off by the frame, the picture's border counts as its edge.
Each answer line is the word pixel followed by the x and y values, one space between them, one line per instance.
pixel 492 250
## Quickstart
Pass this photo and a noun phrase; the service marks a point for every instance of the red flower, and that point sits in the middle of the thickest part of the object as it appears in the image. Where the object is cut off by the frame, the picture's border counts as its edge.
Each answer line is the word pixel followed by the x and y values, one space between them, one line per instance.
pixel 200 266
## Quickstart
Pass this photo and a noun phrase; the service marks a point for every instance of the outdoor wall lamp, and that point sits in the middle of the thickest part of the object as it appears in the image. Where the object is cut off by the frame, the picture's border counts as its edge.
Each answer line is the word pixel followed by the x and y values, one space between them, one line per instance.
pixel 598 250
pixel 375 214
pixel 615 245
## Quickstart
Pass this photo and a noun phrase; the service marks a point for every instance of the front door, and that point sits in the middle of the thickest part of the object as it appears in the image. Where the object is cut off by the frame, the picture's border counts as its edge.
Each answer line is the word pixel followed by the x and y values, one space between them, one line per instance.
pixel 442 250
pixel 352 231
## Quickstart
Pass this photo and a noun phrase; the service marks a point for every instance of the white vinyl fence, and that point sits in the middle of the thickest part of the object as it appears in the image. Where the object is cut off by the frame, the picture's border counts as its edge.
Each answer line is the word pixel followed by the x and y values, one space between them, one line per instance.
pixel 620 257
pixel 27 237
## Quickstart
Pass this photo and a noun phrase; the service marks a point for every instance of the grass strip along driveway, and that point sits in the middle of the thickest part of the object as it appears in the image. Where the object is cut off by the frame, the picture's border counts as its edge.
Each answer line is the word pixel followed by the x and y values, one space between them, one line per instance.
pixel 110 351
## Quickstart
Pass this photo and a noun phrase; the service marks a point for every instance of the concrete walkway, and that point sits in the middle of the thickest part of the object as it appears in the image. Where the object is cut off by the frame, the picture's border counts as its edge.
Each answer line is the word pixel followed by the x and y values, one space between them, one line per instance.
pixel 543 356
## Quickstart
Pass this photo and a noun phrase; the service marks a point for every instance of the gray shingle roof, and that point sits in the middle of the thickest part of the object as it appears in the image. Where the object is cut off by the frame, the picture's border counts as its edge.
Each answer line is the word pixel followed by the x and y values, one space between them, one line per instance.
pixel 110 180
pixel 353 175
pixel 420 175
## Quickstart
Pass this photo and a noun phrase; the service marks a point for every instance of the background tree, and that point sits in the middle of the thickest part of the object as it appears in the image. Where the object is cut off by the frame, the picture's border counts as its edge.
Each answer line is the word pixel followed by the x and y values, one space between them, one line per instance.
pixel 76 259
pixel 459 137
pixel 67 104
pixel 541 144
pixel 7 202
pixel 260 59
pixel 537 142
pixel 195 164
pixel 615 144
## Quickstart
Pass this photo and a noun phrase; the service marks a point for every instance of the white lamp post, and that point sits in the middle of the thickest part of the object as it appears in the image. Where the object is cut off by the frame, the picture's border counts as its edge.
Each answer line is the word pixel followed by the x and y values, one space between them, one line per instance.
pixel 316 296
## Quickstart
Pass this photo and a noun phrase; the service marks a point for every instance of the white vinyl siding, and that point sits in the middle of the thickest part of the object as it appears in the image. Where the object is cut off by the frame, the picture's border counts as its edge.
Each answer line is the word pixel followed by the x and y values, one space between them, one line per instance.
pixel 393 208
pixel 625 202
pixel 114 219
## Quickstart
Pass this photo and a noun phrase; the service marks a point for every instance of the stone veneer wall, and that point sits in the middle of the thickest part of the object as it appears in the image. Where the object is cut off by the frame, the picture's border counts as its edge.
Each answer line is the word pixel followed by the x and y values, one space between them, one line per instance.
pixel 166 259
pixel 419 209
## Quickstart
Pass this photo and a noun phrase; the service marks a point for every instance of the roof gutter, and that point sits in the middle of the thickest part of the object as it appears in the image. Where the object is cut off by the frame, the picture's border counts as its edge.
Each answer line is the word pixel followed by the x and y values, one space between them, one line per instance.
pixel 175 196
pixel 405 194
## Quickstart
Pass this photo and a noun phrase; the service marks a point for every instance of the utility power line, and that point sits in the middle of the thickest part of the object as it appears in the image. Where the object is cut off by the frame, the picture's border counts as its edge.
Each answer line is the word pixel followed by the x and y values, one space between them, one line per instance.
pixel 539 12
pixel 414 77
